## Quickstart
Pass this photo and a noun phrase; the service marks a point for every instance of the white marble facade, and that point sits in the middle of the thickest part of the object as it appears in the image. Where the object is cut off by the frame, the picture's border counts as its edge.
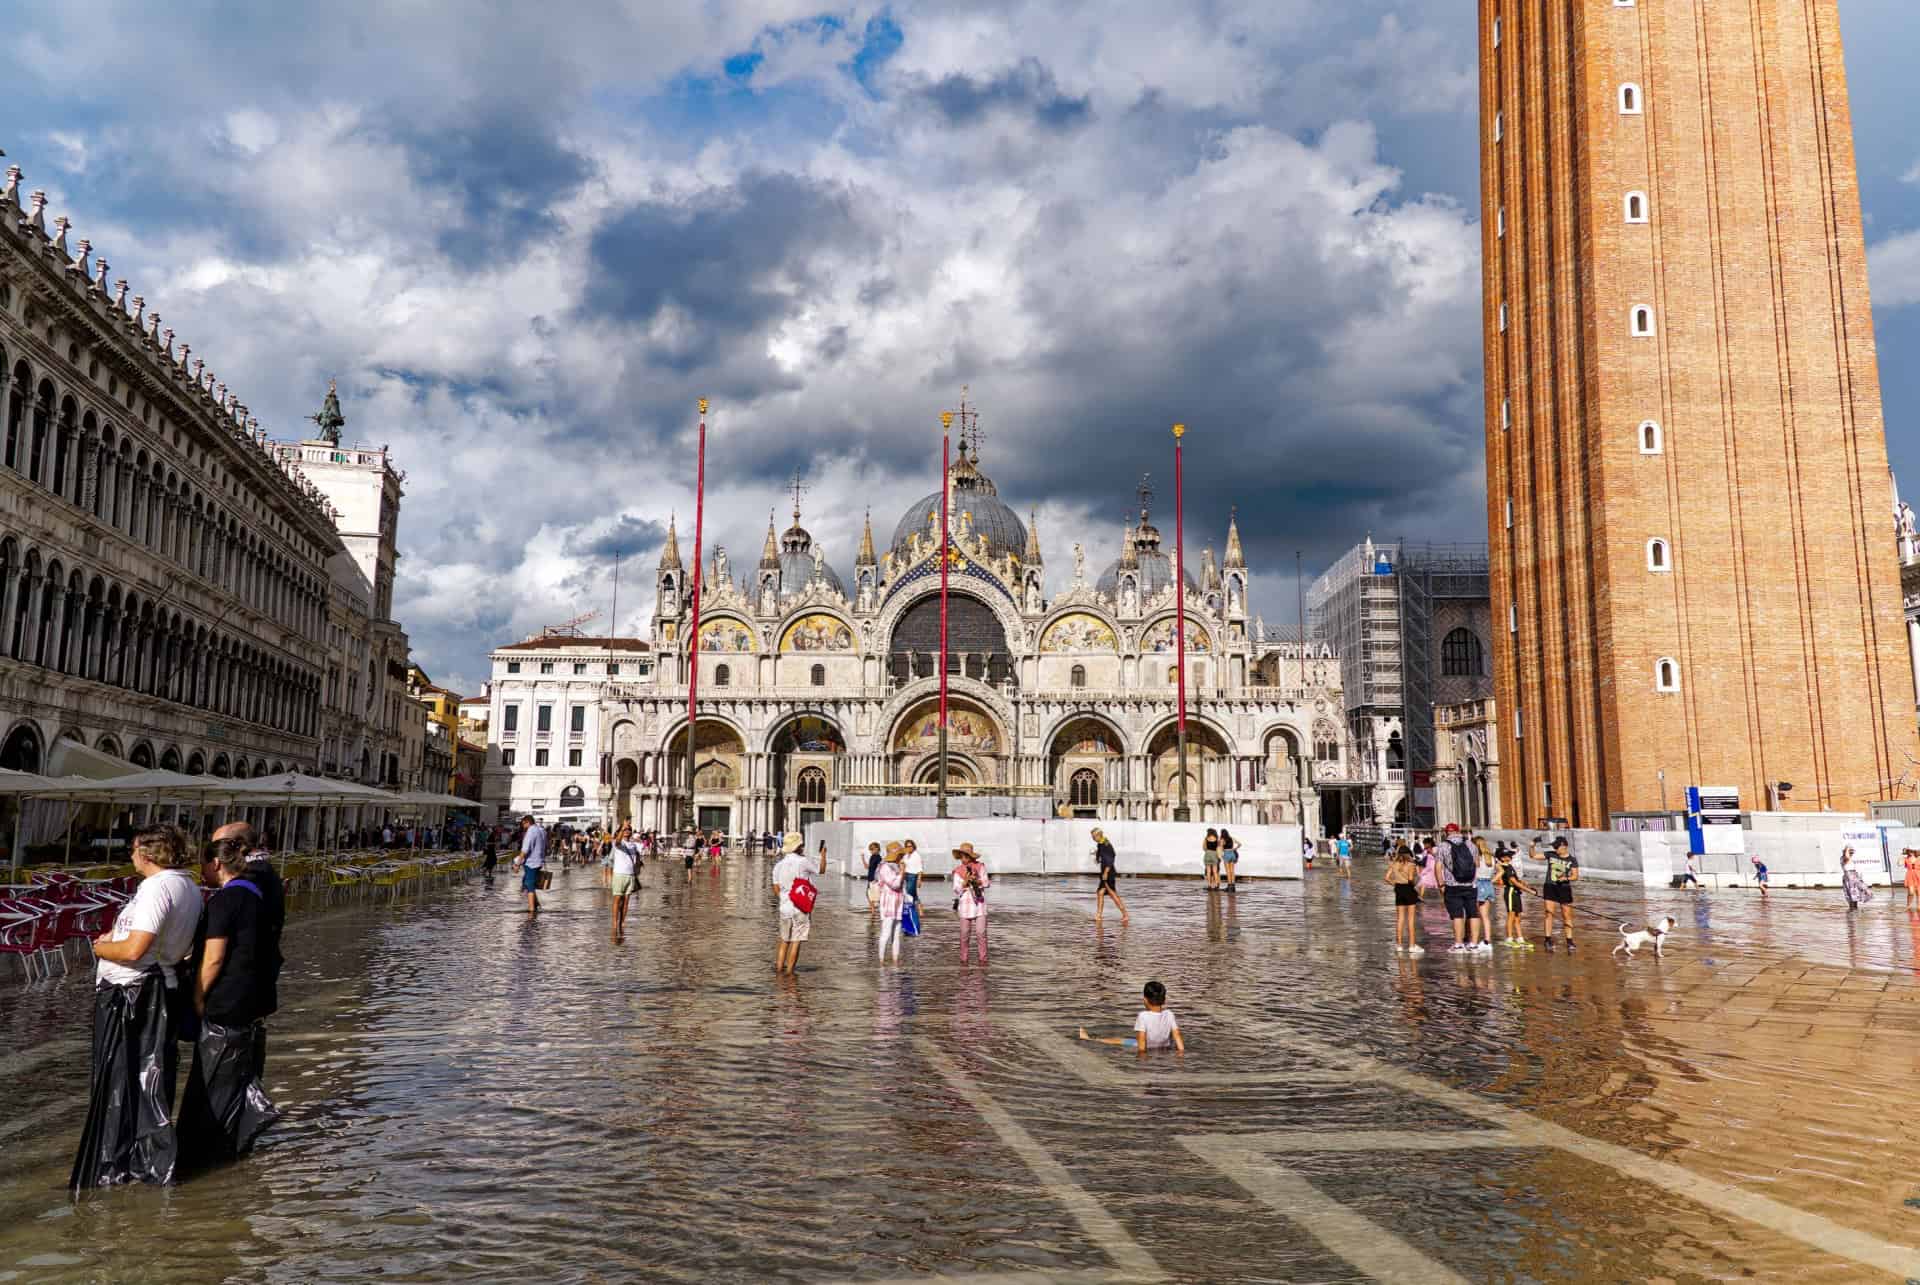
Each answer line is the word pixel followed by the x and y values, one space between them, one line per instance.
pixel 818 700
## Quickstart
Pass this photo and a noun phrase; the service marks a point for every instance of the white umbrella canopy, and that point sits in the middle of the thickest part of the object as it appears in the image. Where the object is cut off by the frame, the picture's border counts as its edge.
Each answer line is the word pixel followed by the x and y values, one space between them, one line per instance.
pixel 155 783
pixel 427 798
pixel 302 788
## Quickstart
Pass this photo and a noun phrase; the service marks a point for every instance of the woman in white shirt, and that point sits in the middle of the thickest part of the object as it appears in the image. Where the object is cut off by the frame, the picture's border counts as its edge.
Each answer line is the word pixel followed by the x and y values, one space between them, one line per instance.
pixel 129 1134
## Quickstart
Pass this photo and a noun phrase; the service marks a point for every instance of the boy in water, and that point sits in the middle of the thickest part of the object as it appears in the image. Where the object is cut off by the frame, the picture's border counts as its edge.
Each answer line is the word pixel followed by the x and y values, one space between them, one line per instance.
pixel 1759 874
pixel 1154 1028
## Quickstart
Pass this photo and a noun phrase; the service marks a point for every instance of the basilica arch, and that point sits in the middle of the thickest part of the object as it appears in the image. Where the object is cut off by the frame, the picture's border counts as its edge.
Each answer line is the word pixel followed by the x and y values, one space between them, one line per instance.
pixel 977 741
pixel 979 639
pixel 1085 765
pixel 803 754
pixel 720 775
pixel 1210 757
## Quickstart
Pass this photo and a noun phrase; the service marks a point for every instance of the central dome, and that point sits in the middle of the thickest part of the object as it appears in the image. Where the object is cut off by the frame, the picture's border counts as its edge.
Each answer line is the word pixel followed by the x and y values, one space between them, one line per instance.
pixel 1152 566
pixel 975 494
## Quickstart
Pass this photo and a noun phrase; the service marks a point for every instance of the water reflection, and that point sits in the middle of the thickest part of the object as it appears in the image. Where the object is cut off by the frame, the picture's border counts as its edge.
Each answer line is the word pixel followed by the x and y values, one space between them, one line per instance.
pixel 470 1093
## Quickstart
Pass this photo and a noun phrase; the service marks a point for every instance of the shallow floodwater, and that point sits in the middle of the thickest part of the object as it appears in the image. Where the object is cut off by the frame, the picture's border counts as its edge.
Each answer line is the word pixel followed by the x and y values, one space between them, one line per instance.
pixel 471 1095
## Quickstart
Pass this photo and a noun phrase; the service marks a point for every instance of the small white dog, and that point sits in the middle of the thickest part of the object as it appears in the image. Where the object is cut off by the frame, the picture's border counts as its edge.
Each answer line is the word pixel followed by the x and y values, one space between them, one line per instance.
pixel 1654 934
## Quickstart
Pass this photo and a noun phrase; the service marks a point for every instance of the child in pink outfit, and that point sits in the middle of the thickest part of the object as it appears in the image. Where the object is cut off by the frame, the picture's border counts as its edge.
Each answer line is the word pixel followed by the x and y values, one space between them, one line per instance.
pixel 970 884
pixel 893 899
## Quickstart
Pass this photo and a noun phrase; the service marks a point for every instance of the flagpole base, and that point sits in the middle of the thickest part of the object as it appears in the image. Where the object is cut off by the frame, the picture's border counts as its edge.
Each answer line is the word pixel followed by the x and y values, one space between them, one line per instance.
pixel 1183 814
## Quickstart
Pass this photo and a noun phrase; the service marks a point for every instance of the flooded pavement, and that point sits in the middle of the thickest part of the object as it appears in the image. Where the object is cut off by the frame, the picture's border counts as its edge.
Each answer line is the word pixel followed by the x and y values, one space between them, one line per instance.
pixel 473 1096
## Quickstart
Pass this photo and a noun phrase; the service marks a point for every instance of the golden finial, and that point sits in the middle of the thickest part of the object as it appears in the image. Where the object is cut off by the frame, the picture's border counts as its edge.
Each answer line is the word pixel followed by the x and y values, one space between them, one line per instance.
pixel 946 419
pixel 1179 431
pixel 703 405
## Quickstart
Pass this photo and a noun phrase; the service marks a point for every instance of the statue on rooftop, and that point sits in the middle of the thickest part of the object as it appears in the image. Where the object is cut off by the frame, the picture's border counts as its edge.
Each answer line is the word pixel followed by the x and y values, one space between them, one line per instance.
pixel 330 420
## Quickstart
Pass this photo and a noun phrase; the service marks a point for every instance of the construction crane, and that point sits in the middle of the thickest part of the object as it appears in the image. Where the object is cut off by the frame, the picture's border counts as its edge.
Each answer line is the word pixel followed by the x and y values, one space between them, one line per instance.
pixel 568 628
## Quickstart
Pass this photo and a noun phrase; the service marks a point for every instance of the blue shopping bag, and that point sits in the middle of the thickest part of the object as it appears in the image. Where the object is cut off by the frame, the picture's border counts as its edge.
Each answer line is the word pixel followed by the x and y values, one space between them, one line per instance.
pixel 910 920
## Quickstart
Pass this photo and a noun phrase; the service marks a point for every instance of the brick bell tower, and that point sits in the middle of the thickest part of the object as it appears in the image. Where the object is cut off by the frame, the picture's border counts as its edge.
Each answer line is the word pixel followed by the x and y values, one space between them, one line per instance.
pixel 1689 506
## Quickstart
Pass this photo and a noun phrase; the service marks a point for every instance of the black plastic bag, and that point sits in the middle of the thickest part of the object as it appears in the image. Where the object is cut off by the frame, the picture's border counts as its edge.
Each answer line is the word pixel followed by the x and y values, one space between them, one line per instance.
pixel 129 1134
pixel 226 1108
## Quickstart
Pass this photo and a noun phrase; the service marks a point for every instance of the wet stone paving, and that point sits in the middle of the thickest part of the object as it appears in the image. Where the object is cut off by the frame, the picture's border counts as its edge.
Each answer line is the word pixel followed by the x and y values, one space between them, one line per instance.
pixel 473 1096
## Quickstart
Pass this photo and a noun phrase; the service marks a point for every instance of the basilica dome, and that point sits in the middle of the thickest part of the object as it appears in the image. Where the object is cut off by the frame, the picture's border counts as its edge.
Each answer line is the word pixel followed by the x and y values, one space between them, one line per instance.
pixel 794 559
pixel 1141 553
pixel 975 494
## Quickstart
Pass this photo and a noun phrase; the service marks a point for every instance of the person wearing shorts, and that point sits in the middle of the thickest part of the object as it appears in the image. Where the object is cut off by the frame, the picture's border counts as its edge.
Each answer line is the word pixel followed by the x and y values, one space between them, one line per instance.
pixel 1229 858
pixel 795 924
pixel 1511 887
pixel 623 865
pixel 1556 890
pixel 1210 857
pixel 1458 864
pixel 533 860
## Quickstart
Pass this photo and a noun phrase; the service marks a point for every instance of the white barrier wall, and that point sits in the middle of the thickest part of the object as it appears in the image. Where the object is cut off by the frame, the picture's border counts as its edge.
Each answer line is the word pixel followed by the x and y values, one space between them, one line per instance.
pixel 1053 846
pixel 1804 852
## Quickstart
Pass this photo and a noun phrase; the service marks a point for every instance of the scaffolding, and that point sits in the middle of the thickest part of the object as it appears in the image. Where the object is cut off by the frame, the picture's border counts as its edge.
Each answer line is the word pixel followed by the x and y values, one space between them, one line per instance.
pixel 1375 605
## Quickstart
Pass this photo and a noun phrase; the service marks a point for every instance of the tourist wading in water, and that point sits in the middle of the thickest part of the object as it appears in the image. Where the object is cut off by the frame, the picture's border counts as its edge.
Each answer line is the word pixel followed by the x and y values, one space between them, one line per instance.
pixel 970 884
pixel 1103 855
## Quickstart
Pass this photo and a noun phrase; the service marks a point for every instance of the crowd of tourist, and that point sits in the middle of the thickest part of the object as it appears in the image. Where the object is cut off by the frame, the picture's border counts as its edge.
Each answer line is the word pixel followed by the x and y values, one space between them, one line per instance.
pixel 1472 875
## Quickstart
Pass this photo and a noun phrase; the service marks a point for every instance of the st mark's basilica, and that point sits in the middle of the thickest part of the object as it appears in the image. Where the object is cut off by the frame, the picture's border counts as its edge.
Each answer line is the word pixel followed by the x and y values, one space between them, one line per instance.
pixel 819 700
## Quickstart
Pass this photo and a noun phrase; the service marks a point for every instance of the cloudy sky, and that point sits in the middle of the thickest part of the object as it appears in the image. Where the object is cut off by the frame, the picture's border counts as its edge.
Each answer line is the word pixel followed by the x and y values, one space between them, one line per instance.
pixel 526 237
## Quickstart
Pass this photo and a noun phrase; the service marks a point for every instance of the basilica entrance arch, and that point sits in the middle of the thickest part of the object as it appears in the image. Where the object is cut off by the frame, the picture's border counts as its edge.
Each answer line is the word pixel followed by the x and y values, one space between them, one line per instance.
pixel 805 749
pixel 974 741
pixel 1082 760
pixel 1208 779
pixel 719 775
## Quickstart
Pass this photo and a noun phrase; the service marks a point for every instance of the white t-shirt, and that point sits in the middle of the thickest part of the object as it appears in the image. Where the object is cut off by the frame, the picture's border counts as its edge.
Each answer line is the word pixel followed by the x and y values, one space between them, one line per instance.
pixel 168 906
pixel 785 871
pixel 1156 1028
pixel 626 856
pixel 913 865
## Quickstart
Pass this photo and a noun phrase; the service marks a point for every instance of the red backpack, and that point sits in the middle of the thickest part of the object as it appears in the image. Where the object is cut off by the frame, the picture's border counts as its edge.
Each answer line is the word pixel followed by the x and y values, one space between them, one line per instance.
pixel 802 894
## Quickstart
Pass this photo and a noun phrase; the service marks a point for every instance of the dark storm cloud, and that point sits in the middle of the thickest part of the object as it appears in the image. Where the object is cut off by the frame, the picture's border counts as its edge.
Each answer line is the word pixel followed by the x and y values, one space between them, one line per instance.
pixel 628 536
pixel 729 258
pixel 1026 90
pixel 505 173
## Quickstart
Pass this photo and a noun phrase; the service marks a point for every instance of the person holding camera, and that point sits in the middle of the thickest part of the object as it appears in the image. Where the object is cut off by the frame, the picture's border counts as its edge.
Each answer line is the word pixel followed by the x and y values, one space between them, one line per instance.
pixel 970 884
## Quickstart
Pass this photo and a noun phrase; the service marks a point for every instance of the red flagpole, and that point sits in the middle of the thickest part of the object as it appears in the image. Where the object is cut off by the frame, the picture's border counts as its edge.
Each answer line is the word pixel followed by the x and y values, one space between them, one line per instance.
pixel 693 642
pixel 946 426
pixel 1180 810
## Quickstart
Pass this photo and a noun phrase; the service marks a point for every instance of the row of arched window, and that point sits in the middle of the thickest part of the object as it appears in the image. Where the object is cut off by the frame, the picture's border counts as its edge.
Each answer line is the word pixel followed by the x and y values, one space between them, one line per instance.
pixel 65 619
pixel 55 442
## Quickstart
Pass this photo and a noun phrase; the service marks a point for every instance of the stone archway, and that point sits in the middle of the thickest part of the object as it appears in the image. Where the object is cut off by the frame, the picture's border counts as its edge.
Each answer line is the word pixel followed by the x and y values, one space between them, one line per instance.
pixel 1208 775
pixel 974 736
pixel 803 750
pixel 1084 756
pixel 626 774
pixel 719 775
pixel 22 751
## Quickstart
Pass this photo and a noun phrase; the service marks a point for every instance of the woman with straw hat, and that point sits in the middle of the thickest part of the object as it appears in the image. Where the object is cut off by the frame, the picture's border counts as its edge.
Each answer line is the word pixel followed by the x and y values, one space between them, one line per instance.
pixel 893 898
pixel 970 884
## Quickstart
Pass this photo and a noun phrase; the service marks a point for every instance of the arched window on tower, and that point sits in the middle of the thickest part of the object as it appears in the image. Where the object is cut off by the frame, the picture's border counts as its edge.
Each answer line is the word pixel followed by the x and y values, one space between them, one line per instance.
pixel 1659 557
pixel 1636 207
pixel 1078 678
pixel 1640 321
pixel 722 676
pixel 1461 655
pixel 817 675
pixel 1649 437
pixel 1666 675
pixel 1631 99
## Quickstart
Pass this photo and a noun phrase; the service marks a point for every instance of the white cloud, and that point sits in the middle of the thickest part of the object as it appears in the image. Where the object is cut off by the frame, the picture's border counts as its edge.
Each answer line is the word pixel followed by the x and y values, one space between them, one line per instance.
pixel 1893 270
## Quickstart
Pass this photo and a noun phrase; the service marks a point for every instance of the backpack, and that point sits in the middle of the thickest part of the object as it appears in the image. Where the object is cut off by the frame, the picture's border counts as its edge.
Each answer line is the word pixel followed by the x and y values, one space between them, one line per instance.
pixel 802 894
pixel 1462 862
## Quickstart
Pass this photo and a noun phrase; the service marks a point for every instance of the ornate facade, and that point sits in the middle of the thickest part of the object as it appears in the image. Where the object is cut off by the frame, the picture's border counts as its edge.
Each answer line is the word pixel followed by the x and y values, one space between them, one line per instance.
pixel 175 590
pixel 820 699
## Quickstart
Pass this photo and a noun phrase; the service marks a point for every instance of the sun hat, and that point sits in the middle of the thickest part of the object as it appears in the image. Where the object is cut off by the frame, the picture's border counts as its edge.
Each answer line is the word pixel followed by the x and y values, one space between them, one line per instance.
pixel 793 841
pixel 964 850
pixel 896 851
